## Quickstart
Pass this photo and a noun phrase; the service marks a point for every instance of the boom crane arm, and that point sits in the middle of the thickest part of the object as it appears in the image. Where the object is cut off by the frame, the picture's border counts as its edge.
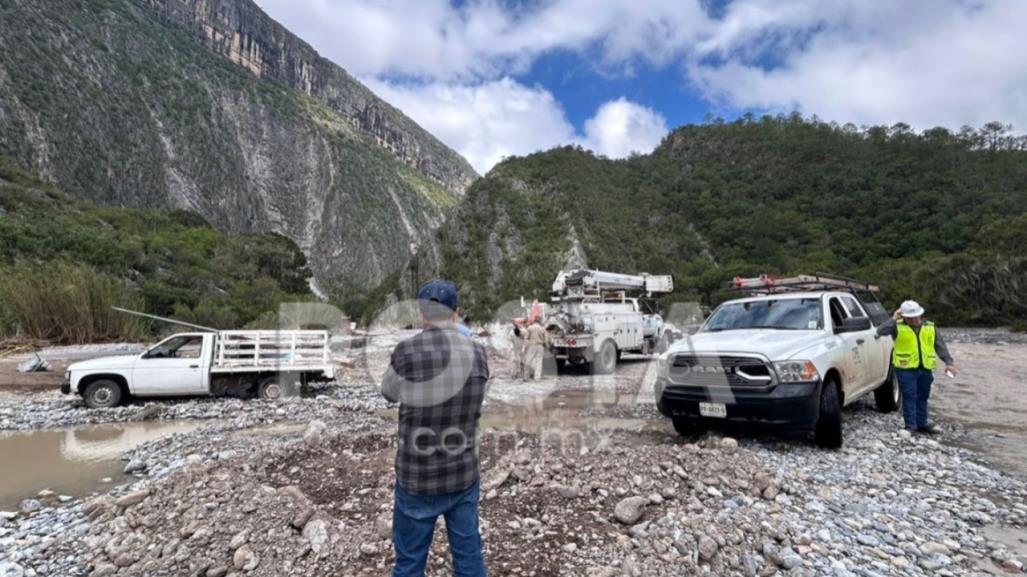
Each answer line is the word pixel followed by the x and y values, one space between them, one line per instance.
pixel 584 282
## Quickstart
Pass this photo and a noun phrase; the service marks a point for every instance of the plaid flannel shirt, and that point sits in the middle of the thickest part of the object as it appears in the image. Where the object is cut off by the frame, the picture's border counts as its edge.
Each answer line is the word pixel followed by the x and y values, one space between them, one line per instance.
pixel 438 377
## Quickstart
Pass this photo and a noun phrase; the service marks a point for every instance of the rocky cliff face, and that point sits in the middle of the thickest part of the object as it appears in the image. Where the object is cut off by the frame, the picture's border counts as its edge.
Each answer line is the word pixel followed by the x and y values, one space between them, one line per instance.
pixel 532 217
pixel 212 106
pixel 243 33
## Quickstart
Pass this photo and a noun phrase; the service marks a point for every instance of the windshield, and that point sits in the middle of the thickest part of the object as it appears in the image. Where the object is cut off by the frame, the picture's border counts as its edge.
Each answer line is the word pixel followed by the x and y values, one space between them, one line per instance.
pixel 782 314
pixel 182 347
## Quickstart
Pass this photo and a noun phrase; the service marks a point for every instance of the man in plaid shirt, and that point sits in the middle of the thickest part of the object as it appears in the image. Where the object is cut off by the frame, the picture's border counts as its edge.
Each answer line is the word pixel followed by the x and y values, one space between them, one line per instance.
pixel 438 377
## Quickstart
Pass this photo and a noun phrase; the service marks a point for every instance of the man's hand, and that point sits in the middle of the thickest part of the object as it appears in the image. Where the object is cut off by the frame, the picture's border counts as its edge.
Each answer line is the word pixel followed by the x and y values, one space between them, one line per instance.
pixel 895 316
pixel 952 369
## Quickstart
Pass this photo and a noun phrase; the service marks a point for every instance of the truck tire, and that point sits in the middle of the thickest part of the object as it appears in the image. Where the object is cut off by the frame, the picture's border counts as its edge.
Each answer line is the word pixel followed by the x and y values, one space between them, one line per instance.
pixel 270 389
pixel 605 361
pixel 686 427
pixel 102 394
pixel 828 430
pixel 550 365
pixel 886 396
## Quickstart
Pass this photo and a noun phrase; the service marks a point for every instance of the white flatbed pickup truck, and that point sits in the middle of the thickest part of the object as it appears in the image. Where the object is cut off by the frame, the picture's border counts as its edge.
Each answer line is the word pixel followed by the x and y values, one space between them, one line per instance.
pixel 792 358
pixel 270 364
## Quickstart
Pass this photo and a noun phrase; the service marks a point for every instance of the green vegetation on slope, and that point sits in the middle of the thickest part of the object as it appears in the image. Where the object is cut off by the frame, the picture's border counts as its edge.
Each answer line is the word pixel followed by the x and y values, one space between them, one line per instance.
pixel 65 262
pixel 936 216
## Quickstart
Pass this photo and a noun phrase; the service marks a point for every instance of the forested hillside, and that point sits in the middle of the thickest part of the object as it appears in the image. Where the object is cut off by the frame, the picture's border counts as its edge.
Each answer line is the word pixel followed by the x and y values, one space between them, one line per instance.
pixel 65 262
pixel 937 216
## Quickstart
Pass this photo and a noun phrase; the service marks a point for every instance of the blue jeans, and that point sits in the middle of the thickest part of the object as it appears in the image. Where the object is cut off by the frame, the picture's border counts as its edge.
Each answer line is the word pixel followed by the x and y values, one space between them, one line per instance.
pixel 413 525
pixel 915 385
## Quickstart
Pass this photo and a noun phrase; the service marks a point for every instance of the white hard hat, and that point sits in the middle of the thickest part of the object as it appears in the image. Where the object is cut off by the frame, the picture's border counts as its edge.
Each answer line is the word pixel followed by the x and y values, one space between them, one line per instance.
pixel 911 309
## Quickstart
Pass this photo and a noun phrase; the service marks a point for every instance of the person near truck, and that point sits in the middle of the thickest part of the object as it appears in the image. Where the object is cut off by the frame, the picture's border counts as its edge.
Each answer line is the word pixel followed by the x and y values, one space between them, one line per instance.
pixel 534 349
pixel 438 377
pixel 461 324
pixel 918 346
pixel 520 346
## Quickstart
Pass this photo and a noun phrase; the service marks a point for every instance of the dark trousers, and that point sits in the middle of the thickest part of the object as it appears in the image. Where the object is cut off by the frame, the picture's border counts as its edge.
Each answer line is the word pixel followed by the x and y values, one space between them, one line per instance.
pixel 413 525
pixel 915 385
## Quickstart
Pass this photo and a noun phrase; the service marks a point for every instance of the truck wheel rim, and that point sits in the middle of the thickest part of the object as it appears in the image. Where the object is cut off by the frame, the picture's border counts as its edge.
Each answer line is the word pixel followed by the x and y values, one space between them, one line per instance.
pixel 272 391
pixel 102 395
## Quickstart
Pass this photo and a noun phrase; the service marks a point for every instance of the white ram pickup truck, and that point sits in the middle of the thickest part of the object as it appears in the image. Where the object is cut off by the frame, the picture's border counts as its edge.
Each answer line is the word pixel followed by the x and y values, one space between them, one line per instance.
pixel 792 359
pixel 270 364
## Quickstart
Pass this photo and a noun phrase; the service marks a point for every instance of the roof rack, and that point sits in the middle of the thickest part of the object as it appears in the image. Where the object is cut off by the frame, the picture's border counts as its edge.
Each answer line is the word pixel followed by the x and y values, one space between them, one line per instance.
pixel 769 284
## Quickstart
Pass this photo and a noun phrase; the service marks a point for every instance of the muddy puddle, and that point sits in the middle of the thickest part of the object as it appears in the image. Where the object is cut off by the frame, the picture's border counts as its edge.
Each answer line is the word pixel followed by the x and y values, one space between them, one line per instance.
pixel 569 409
pixel 74 462
pixel 564 410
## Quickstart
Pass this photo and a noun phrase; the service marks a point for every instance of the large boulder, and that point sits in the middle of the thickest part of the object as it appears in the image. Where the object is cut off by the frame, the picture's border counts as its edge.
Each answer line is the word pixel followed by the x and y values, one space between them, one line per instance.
pixel 629 510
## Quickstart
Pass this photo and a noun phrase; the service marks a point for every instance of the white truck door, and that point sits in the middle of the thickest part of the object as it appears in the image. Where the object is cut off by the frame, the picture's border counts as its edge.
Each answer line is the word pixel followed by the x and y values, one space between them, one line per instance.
pixel 853 356
pixel 876 357
pixel 175 366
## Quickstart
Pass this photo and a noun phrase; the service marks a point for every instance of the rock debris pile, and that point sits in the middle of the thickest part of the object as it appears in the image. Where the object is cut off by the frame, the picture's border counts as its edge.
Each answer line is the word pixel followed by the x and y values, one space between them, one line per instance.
pixel 613 503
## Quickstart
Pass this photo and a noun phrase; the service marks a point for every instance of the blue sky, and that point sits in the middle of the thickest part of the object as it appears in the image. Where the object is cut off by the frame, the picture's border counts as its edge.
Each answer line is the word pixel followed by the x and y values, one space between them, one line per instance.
pixel 582 89
pixel 493 78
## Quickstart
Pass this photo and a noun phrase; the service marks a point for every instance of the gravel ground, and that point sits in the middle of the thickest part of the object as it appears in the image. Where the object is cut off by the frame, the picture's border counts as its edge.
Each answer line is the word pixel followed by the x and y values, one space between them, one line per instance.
pixel 604 502
pixel 52 410
pixel 580 477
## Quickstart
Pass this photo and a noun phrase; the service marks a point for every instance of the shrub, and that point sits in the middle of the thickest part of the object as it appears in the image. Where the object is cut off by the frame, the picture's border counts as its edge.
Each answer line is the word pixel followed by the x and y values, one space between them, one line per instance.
pixel 66 303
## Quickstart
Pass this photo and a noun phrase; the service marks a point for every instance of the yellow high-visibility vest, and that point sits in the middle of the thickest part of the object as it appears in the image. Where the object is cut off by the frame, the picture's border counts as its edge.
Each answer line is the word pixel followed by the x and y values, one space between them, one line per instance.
pixel 912 352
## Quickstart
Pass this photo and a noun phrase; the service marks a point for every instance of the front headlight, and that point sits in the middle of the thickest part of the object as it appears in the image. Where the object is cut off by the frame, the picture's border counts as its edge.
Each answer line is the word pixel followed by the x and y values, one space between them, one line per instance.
pixel 663 364
pixel 67 376
pixel 796 372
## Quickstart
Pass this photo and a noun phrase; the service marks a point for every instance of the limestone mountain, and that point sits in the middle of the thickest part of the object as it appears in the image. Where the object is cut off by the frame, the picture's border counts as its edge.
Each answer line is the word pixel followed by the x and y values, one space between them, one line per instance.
pixel 213 107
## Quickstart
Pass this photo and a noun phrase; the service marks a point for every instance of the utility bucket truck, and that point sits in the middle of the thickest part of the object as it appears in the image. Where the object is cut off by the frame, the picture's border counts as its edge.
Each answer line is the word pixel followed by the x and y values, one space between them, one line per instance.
pixel 596 316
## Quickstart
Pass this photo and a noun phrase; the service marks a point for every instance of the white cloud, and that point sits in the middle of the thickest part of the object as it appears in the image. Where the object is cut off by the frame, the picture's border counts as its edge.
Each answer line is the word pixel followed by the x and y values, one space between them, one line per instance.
pixel 923 62
pixel 620 128
pixel 483 122
pixel 907 62
pixel 435 40
pixel 489 121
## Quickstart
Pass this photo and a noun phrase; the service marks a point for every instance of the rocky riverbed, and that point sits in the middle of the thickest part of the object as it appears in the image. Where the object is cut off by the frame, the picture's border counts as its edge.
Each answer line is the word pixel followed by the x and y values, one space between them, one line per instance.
pixel 580 477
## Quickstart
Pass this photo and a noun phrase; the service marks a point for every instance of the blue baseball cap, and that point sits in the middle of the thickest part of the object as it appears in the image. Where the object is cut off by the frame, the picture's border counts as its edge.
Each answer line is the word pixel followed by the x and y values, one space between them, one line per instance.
pixel 438 291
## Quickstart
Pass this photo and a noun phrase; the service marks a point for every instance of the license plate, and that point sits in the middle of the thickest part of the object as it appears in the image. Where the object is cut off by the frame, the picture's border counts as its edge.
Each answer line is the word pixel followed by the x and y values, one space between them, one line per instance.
pixel 713 410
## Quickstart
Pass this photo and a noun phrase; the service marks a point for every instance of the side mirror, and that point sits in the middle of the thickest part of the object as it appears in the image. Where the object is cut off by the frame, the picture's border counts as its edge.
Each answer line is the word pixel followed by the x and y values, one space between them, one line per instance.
pixel 853 325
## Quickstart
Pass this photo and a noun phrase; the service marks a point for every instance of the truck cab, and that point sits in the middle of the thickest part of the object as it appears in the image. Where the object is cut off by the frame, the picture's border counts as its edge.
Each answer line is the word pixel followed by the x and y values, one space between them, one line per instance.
pixel 177 365
pixel 792 358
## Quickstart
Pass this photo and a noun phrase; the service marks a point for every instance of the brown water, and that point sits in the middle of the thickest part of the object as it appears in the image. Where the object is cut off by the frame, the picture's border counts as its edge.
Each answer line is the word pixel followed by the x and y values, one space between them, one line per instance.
pixel 72 461
pixel 989 398
pixel 564 410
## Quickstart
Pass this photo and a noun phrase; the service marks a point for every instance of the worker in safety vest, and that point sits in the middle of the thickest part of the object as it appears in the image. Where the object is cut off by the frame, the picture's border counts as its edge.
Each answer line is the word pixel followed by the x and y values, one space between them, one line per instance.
pixel 917 349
